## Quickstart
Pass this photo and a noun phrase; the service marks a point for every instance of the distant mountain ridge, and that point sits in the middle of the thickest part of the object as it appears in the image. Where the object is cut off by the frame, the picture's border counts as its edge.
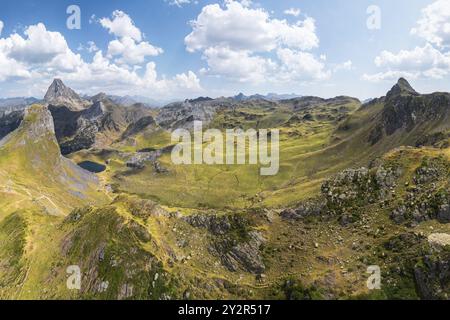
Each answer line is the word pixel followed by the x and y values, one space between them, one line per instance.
pixel 10 105
pixel 269 96
pixel 128 101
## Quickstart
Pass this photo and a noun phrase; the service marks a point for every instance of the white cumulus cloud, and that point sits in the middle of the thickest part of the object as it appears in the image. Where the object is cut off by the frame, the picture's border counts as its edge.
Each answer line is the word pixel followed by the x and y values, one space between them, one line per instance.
pixel 420 62
pixel 389 76
pixel 130 52
pixel 38 46
pixel 239 65
pixel 11 69
pixel 429 61
pixel 121 25
pixel 301 66
pixel 128 47
pixel 244 28
pixel 41 55
pixel 245 43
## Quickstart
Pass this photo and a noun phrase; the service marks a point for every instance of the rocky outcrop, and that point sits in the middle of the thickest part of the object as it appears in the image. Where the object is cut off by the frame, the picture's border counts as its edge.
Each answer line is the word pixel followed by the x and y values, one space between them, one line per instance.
pixel 357 187
pixel 139 159
pixel 60 95
pixel 80 129
pixel 10 122
pixel 411 113
pixel 38 124
pixel 402 87
pixel 181 115
pixel 432 275
pixel 346 194
pixel 132 272
pixel 75 130
pixel 422 197
pixel 304 210
pixel 232 241
pixel 217 225
pixel 139 126
pixel 428 198
pixel 245 255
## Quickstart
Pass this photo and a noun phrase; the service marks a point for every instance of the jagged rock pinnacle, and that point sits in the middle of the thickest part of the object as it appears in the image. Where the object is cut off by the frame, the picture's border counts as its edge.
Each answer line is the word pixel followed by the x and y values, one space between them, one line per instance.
pixel 58 89
pixel 58 94
pixel 402 87
pixel 38 122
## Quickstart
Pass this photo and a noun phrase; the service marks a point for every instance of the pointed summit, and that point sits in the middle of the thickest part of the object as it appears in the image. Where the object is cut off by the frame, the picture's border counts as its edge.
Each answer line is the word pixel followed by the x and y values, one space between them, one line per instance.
pixel 58 89
pixel 58 94
pixel 240 97
pixel 402 88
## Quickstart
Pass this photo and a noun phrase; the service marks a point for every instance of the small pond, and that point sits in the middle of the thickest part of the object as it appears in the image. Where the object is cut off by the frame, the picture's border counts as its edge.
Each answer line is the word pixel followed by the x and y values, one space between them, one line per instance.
pixel 93 167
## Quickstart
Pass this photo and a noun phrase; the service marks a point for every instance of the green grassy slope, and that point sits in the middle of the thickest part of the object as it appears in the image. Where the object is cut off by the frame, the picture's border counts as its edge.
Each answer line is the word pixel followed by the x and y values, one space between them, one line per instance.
pixel 175 234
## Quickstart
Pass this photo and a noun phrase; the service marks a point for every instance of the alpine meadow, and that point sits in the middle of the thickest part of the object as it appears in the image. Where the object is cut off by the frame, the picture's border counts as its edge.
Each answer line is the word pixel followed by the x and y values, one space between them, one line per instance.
pixel 225 150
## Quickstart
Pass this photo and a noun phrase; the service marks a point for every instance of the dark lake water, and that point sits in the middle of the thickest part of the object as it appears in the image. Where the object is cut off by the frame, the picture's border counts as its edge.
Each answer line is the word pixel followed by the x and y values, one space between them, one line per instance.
pixel 92 166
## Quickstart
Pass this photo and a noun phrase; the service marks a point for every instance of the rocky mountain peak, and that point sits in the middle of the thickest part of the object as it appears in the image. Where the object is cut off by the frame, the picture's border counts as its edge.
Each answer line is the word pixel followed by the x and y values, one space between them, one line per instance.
pixel 59 94
pixel 38 122
pixel 58 89
pixel 99 97
pixel 240 97
pixel 402 87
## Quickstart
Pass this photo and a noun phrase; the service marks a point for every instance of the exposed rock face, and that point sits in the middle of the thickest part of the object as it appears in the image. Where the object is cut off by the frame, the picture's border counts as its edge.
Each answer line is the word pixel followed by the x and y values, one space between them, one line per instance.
pixel 54 182
pixel 437 140
pixel 38 124
pixel 439 240
pixel 74 130
pixel 401 88
pixel 139 126
pixel 77 130
pixel 244 255
pixel 346 194
pixel 422 263
pixel 433 274
pixel 233 243
pixel 425 196
pixel 183 114
pixel 425 200
pixel 139 159
pixel 60 95
pixel 137 273
pixel 214 224
pixel 10 122
pixel 407 110
pixel 306 209
pixel 356 187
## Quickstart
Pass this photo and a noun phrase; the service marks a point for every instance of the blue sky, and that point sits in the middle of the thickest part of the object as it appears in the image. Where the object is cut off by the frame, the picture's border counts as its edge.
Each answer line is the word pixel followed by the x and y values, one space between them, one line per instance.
pixel 151 48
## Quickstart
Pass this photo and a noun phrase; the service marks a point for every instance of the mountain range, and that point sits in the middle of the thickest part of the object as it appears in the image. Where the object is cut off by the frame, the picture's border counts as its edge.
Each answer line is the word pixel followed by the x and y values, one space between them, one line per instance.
pixel 89 182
